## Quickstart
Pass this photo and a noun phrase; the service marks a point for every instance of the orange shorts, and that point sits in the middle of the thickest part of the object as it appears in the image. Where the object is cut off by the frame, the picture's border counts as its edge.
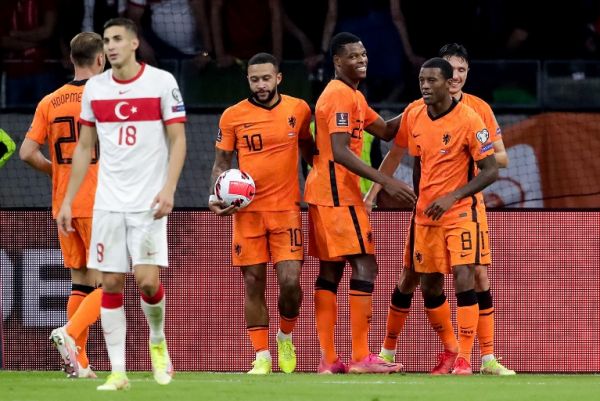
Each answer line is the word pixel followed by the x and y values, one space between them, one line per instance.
pixel 436 249
pixel 76 245
pixel 262 236
pixel 339 231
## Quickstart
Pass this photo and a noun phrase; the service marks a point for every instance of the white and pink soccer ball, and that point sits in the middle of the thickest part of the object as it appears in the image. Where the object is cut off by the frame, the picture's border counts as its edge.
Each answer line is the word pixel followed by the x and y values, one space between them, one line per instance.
pixel 235 187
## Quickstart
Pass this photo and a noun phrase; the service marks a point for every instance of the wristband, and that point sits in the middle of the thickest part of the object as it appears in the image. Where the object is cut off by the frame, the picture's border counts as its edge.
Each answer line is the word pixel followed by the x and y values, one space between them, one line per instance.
pixel 213 198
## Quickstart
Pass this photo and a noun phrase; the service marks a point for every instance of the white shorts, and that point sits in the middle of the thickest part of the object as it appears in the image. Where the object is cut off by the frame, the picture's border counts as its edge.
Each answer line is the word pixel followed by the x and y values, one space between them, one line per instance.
pixel 117 236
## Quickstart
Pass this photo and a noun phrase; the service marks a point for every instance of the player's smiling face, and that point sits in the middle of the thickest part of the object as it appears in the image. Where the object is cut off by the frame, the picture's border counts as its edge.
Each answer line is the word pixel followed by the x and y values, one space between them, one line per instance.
pixel 263 80
pixel 434 87
pixel 119 45
pixel 352 62
pixel 459 77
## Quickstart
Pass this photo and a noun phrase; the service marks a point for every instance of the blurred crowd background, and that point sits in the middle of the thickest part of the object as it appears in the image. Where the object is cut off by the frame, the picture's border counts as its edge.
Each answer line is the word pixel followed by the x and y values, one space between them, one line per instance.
pixel 515 44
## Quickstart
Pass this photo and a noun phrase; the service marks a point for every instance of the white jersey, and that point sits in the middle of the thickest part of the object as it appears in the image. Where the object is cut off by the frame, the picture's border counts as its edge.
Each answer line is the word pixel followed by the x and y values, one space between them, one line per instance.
pixel 130 118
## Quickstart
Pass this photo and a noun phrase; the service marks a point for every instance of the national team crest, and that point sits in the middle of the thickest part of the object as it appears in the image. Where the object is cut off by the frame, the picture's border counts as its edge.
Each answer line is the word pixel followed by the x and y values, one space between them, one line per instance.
pixel 446 138
pixel 292 121
pixel 483 135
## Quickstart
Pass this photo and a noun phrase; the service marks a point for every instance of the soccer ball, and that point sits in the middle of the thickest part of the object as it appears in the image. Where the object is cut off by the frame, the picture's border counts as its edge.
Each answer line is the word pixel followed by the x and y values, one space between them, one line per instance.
pixel 234 187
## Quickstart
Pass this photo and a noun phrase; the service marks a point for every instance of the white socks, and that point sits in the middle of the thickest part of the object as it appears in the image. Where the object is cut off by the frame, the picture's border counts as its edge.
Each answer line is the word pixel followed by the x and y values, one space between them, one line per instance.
pixel 114 326
pixel 155 316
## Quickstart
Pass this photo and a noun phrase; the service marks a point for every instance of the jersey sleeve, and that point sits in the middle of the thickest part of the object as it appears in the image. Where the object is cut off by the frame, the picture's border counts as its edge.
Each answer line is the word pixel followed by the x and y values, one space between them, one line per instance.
pixel 226 135
pixel 489 119
pixel 370 116
pixel 38 131
pixel 305 115
pixel 339 113
pixel 480 144
pixel 87 116
pixel 171 102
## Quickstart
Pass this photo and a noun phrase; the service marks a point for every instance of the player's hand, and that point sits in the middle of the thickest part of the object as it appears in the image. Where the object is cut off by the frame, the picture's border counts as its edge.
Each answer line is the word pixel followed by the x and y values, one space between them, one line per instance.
pixel 220 208
pixel 439 206
pixel 163 203
pixel 400 191
pixel 369 203
pixel 63 219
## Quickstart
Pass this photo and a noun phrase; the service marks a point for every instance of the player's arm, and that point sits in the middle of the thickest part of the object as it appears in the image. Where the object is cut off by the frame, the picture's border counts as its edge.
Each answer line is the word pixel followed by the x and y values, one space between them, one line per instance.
pixel 500 154
pixel 388 166
pixel 164 201
pixel 487 175
pixel 307 149
pixel 385 130
pixel 82 157
pixel 342 154
pixel 31 154
pixel 222 163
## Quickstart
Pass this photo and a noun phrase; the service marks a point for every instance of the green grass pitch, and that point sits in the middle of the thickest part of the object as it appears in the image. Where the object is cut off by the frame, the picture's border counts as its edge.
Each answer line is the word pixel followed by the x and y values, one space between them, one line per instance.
pixel 50 386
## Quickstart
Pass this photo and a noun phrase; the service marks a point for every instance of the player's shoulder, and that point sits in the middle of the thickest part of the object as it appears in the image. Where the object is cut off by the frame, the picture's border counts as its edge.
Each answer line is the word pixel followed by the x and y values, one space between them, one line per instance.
pixel 295 103
pixel 468 113
pixel 476 102
pixel 100 79
pixel 235 112
pixel 157 73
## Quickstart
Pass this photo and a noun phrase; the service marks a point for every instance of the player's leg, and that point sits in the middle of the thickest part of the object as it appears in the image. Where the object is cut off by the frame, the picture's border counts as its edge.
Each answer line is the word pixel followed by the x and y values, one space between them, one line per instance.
pixel 88 281
pixel 287 252
pixel 108 254
pixel 86 315
pixel 438 313
pixel 250 252
pixel 400 302
pixel 73 251
pixel 362 283
pixel 430 258
pixel 485 327
pixel 257 316
pixel 326 286
pixel 147 244
pixel 331 271
pixel 467 315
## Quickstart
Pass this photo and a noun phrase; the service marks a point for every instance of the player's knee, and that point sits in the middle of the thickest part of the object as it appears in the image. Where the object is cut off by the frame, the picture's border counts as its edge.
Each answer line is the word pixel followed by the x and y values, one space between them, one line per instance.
pixel 408 282
pixel 482 281
pixel 323 284
pixel 290 289
pixel 148 287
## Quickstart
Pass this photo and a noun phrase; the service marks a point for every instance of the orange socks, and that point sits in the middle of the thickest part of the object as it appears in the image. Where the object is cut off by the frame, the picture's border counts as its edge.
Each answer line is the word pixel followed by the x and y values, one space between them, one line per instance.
pixel 286 324
pixel 485 326
pixel 396 318
pixel 326 316
pixel 259 336
pixel 83 310
pixel 361 305
pixel 438 313
pixel 467 315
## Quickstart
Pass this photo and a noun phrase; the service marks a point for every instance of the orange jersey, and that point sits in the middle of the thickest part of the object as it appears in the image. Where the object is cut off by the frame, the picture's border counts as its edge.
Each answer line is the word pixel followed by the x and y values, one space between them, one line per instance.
pixel 479 105
pixel 448 147
pixel 56 121
pixel 266 142
pixel 340 109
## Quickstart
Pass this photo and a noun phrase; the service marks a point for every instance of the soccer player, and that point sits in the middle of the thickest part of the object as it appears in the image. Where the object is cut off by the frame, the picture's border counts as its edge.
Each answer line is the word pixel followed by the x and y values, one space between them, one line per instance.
pixel 447 138
pixel 266 131
pixel 458 57
pixel 339 225
pixel 56 121
pixel 137 114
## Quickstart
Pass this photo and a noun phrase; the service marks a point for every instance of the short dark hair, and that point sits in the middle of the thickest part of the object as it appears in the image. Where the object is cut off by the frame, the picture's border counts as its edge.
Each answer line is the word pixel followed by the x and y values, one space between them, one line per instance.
pixel 264 58
pixel 443 65
pixel 454 49
pixel 340 40
pixel 85 46
pixel 124 22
